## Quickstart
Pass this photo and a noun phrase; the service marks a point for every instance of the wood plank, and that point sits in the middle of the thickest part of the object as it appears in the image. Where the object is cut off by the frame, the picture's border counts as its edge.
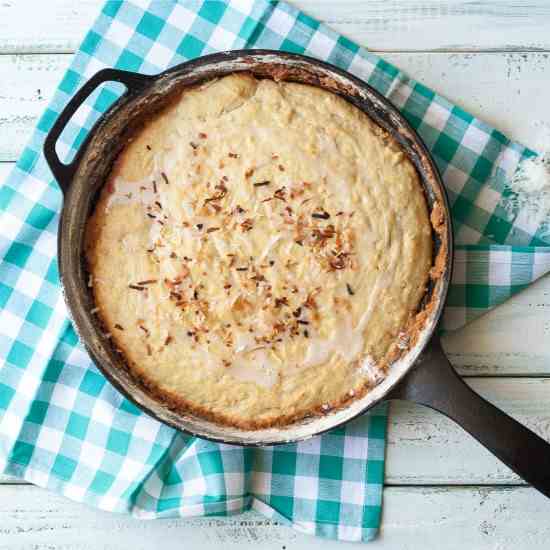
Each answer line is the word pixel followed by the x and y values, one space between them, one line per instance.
pixel 437 25
pixel 495 87
pixel 423 517
pixel 55 26
pixel 404 25
pixel 27 83
pixel 512 339
pixel 424 447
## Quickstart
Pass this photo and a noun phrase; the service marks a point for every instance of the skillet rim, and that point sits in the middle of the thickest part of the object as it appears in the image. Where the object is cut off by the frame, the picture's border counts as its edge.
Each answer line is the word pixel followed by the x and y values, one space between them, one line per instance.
pixel 384 107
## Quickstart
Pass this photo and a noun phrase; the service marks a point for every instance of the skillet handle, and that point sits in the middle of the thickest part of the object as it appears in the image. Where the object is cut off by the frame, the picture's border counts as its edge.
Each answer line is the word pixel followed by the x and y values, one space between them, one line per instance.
pixel 434 383
pixel 64 172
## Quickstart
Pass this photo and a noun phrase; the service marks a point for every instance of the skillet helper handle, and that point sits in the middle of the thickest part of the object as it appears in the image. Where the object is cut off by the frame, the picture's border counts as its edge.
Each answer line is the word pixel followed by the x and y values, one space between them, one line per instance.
pixel 434 383
pixel 64 172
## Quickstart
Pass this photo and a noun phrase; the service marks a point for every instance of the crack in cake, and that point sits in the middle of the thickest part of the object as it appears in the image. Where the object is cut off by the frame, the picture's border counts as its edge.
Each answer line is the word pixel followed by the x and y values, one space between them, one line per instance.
pixel 259 252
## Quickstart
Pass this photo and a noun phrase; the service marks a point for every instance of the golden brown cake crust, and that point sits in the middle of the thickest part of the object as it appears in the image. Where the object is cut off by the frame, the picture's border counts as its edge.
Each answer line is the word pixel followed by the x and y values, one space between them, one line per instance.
pixel 259 252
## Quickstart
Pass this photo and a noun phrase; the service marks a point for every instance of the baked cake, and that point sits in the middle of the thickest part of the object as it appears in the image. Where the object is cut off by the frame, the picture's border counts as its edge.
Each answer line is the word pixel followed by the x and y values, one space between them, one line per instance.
pixel 259 251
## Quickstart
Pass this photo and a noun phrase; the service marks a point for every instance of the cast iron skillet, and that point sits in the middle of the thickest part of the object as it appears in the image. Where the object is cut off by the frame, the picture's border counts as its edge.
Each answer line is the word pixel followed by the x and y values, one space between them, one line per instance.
pixel 430 379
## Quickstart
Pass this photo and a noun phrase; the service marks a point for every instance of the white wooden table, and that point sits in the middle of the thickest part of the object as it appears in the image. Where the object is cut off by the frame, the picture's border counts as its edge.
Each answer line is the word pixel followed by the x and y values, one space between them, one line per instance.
pixel 444 491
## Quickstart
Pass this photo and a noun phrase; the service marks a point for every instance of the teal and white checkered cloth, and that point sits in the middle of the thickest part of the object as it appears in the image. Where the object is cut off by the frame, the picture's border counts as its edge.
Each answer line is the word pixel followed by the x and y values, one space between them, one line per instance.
pixel 62 426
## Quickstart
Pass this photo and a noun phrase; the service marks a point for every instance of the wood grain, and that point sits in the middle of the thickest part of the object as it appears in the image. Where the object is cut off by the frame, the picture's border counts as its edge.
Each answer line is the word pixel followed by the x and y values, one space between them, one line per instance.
pixel 437 25
pixel 27 83
pixel 424 447
pixel 492 86
pixel 404 25
pixel 480 518
pixel 512 339
pixel 55 26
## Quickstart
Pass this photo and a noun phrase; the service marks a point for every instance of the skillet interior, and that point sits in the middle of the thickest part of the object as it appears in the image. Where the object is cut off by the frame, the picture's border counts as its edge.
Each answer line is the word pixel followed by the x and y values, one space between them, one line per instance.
pixel 95 161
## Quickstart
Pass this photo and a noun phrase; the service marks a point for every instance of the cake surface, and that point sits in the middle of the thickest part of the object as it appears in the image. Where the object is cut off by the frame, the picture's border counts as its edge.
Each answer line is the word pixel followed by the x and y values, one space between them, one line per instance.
pixel 258 251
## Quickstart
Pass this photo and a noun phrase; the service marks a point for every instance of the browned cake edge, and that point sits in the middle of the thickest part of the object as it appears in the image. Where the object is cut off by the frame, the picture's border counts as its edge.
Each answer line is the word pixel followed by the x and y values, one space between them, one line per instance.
pixel 409 337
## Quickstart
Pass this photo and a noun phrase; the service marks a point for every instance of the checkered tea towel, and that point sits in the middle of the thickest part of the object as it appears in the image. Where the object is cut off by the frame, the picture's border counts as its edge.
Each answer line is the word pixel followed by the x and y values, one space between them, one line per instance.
pixel 62 426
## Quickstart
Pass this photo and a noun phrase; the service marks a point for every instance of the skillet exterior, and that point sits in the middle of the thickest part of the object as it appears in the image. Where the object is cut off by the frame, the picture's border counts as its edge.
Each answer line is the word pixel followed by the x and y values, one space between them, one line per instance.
pixel 82 179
